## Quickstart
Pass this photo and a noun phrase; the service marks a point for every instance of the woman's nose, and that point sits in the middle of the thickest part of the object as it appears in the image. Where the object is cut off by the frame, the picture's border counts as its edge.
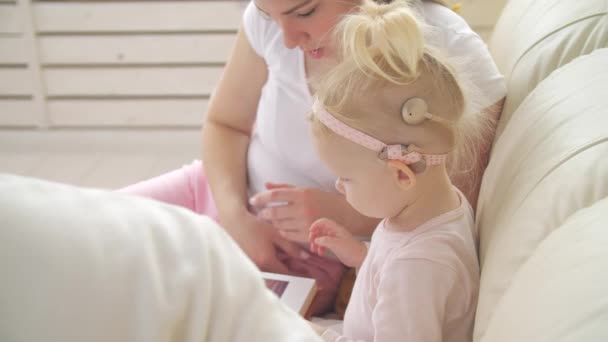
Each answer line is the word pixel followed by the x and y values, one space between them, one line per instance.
pixel 292 36
pixel 339 186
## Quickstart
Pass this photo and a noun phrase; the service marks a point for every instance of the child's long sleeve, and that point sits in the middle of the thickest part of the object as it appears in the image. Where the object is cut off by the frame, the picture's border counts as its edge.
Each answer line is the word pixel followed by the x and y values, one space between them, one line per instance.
pixel 411 308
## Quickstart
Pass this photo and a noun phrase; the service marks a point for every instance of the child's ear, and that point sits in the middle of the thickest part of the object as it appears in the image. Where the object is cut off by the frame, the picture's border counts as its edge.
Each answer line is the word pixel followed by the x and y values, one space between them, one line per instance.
pixel 405 177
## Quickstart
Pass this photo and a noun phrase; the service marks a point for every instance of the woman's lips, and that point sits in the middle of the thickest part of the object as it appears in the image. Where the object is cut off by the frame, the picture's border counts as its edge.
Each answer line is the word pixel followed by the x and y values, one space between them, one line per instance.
pixel 316 53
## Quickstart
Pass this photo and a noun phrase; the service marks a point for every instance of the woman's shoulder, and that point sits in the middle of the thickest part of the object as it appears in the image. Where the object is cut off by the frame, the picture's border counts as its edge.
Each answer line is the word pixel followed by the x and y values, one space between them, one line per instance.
pixel 448 31
pixel 452 35
pixel 439 16
pixel 260 31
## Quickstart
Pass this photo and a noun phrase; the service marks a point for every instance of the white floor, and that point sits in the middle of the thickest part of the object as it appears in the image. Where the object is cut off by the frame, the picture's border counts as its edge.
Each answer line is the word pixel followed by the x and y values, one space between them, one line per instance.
pixel 96 158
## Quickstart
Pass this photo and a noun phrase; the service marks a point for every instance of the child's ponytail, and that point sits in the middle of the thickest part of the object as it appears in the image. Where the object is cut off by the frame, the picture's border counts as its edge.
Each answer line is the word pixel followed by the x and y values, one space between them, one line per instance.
pixel 378 43
pixel 384 41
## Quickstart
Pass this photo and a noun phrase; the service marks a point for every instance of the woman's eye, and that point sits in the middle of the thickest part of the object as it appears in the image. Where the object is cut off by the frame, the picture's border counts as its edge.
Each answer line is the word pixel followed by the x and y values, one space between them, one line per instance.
pixel 307 14
pixel 263 13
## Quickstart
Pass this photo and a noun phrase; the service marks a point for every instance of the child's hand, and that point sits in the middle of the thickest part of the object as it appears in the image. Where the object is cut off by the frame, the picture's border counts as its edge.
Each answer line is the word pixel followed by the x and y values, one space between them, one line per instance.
pixel 327 234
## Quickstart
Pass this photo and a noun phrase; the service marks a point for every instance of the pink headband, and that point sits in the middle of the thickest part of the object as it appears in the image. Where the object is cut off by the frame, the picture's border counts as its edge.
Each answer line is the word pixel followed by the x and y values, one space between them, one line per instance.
pixel 395 152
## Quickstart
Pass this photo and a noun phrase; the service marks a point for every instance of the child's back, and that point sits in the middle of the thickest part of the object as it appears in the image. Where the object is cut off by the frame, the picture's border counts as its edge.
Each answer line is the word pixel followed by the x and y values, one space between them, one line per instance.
pixel 431 272
pixel 386 119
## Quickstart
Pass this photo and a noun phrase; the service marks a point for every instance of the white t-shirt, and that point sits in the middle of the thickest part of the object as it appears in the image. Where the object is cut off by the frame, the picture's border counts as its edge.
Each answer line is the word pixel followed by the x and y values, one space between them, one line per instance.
pixel 281 148
pixel 417 286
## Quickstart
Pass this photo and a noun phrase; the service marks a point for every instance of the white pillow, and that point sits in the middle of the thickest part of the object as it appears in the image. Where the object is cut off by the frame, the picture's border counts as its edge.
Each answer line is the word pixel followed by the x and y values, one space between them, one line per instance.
pixel 532 38
pixel 561 293
pixel 549 162
pixel 90 265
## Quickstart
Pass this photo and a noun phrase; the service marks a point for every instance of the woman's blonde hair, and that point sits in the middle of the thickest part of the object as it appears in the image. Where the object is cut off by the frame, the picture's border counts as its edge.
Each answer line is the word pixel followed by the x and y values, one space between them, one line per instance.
pixel 383 45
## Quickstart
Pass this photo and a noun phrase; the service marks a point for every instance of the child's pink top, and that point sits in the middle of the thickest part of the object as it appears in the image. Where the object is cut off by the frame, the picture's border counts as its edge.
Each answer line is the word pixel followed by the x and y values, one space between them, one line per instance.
pixel 417 286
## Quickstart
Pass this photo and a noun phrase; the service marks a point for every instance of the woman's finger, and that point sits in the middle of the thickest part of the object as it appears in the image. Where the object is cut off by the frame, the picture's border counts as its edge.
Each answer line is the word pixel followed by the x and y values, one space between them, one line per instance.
pixel 275 196
pixel 271 186
pixel 278 212
pixel 274 265
pixel 294 235
pixel 292 249
pixel 291 226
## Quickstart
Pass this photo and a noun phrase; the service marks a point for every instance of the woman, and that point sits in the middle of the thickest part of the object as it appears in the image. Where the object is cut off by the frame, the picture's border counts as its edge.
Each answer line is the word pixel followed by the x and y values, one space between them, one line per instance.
pixel 264 177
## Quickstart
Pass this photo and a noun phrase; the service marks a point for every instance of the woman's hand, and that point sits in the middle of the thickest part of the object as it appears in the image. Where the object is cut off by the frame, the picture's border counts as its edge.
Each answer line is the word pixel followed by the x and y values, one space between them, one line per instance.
pixel 292 210
pixel 327 234
pixel 260 241
pixel 327 273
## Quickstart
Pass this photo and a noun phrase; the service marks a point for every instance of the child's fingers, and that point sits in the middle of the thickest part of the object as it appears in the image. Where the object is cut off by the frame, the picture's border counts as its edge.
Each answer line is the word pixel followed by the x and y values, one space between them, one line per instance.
pixel 328 242
pixel 325 226
pixel 321 224
pixel 312 235
pixel 316 249
pixel 331 227
pixel 319 234
pixel 320 250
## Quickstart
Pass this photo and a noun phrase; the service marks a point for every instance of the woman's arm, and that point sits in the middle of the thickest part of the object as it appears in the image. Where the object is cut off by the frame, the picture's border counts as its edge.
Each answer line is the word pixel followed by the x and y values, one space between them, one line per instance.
pixel 225 137
pixel 228 126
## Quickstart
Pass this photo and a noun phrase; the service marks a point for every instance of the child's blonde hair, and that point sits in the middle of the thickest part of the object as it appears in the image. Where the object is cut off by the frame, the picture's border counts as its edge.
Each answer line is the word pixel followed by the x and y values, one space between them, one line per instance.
pixel 382 47
pixel 441 2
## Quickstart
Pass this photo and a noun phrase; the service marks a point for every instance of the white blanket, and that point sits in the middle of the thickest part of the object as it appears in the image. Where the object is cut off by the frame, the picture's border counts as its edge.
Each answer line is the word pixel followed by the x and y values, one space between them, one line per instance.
pixel 90 265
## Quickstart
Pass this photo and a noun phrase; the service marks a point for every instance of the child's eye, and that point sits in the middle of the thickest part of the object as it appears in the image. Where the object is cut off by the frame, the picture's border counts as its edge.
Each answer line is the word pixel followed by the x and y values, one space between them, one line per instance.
pixel 307 14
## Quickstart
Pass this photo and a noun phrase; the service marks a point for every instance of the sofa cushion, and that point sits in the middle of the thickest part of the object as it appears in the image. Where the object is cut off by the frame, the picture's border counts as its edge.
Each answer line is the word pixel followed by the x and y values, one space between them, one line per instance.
pixel 549 162
pixel 559 294
pixel 532 38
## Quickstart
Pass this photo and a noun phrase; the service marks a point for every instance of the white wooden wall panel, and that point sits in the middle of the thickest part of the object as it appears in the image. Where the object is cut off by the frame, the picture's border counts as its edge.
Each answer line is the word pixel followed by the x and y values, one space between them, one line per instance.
pixel 18 112
pixel 10 21
pixel 18 85
pixel 112 63
pixel 15 82
pixel 137 49
pixel 138 16
pixel 127 112
pixel 13 50
pixel 131 81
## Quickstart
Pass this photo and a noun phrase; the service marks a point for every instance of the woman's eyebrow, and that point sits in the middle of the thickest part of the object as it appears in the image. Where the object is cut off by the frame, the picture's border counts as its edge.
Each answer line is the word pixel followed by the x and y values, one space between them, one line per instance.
pixel 260 9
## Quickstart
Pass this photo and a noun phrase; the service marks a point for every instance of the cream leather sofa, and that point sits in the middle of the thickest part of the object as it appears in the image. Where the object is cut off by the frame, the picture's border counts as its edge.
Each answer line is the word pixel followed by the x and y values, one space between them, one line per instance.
pixel 543 207
pixel 124 272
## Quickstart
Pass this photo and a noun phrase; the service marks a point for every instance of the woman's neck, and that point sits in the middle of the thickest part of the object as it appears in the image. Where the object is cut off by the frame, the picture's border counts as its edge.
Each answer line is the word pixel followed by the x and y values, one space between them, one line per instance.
pixel 314 67
pixel 310 70
pixel 434 195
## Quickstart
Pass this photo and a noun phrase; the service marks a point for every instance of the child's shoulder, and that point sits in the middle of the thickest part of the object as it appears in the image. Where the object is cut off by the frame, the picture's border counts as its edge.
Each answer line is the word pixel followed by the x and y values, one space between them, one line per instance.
pixel 451 244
